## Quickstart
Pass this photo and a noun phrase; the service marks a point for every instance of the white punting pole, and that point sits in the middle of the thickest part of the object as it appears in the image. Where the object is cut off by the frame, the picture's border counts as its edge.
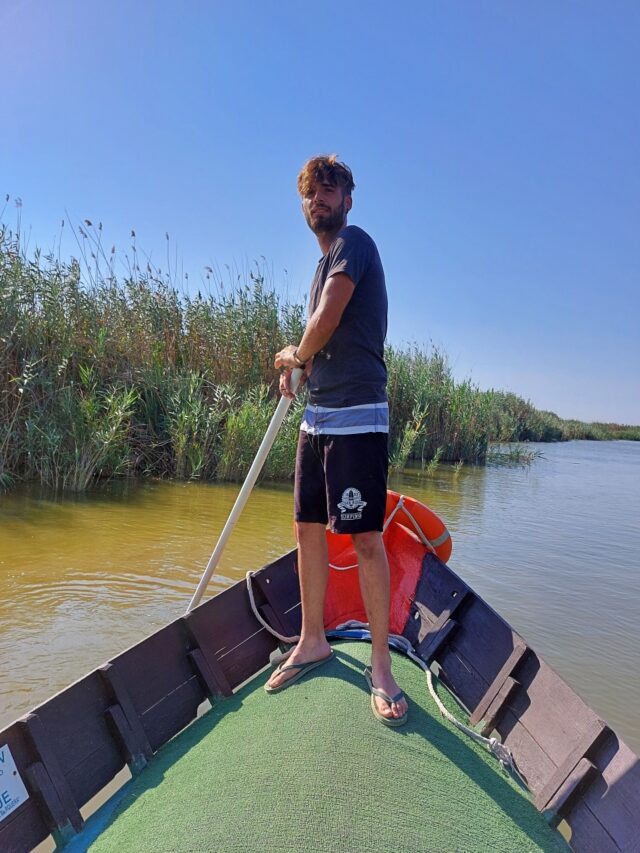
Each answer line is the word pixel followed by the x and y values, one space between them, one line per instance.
pixel 245 491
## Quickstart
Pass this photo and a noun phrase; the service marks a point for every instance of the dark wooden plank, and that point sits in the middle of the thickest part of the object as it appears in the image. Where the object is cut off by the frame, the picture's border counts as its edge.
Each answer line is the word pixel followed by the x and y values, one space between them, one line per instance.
pixel 73 719
pixel 498 705
pixel 137 743
pixel 271 612
pixel 227 630
pixel 496 686
pixel 88 776
pixel 224 621
pixel 207 676
pixel 243 661
pixel 588 740
pixel 42 742
pixel 436 637
pixel 205 642
pixel 588 835
pixel 273 620
pixel 156 666
pixel 533 762
pixel 438 589
pixel 60 822
pixel 75 724
pixel 439 594
pixel 460 677
pixel 555 716
pixel 614 797
pixel 473 655
pixel 173 712
pixel 484 640
pixel 281 580
pixel 129 744
pixel 580 777
pixel 24 828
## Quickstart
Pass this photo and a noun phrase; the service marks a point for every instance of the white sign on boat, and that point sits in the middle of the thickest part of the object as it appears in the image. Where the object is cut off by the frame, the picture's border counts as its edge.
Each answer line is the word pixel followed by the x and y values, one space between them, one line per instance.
pixel 12 790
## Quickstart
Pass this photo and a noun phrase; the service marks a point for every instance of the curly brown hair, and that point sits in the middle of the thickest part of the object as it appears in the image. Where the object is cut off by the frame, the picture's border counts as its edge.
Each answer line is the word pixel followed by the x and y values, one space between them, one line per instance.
pixel 327 169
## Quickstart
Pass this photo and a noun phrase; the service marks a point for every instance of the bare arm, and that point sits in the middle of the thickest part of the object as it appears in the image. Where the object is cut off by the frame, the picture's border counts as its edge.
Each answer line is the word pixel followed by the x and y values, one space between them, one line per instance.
pixel 335 297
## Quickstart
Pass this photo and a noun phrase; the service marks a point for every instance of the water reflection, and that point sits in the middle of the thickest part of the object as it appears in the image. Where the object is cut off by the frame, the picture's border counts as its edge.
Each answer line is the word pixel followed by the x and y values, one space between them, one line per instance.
pixel 554 548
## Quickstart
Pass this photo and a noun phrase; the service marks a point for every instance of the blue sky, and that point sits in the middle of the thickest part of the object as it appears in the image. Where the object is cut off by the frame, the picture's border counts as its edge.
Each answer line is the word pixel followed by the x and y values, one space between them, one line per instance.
pixel 494 147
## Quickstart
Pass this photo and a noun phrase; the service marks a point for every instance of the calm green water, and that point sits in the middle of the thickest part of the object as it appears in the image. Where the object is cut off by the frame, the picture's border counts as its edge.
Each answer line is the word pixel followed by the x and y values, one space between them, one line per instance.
pixel 555 548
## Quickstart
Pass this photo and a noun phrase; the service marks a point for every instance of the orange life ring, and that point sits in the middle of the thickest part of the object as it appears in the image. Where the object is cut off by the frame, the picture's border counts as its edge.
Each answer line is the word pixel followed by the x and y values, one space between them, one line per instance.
pixel 411 531
pixel 424 522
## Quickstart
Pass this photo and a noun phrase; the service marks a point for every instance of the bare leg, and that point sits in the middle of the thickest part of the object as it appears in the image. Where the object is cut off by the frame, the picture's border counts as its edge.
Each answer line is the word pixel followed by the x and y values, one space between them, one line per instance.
pixel 313 568
pixel 374 585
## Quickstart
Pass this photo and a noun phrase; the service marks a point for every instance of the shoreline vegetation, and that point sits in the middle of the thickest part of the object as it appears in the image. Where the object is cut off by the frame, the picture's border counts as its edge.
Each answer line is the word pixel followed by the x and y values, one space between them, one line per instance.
pixel 104 376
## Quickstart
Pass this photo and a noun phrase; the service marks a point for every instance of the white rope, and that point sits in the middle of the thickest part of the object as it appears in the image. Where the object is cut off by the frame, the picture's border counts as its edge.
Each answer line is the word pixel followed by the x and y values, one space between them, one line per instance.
pixel 343 568
pixel 501 752
pixel 419 530
pixel 393 512
pixel 258 615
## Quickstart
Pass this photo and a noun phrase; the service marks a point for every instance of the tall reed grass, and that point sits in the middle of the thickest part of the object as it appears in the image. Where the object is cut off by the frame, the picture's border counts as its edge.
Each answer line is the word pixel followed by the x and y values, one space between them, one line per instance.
pixel 104 376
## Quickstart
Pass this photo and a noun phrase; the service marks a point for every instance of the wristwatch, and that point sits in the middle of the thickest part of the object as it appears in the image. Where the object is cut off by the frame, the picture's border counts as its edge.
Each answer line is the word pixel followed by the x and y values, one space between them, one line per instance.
pixel 299 363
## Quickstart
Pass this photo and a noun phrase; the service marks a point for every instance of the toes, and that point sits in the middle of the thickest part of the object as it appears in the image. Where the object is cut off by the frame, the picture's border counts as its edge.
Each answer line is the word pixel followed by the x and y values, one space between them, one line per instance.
pixel 384 708
pixel 399 708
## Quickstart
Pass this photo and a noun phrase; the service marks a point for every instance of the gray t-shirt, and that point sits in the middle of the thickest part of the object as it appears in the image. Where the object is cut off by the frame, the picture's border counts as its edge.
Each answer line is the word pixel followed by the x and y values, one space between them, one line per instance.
pixel 350 369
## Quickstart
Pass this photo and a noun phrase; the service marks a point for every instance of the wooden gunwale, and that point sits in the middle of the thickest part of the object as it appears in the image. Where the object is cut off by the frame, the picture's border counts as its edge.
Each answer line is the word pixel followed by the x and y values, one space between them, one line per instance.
pixel 72 746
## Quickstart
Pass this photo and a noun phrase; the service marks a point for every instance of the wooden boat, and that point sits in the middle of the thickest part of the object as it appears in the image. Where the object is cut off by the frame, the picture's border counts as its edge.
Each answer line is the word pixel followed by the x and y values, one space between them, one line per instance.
pixel 57 758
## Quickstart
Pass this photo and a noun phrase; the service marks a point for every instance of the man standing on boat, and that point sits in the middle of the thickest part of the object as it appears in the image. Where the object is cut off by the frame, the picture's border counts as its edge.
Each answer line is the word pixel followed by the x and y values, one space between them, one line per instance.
pixel 342 455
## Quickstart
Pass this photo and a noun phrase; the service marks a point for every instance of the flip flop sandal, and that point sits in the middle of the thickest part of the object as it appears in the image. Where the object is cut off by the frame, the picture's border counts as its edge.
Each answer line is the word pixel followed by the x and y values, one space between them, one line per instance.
pixel 387 721
pixel 303 669
pixel 280 655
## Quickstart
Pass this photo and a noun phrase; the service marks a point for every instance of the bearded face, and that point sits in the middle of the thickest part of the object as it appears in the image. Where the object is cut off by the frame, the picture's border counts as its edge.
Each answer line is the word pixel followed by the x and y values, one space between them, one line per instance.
pixel 323 220
pixel 325 209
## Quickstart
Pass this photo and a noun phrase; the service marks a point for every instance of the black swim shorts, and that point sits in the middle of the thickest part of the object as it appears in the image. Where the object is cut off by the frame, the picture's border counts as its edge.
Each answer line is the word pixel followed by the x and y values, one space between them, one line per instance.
pixel 342 480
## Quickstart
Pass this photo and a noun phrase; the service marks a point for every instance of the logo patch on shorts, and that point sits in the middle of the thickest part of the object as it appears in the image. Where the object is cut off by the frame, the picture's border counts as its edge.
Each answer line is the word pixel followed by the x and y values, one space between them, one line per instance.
pixel 352 505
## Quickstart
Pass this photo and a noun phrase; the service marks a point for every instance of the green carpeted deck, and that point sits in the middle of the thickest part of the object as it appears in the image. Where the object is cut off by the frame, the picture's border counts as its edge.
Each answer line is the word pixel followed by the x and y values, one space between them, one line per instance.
pixel 310 769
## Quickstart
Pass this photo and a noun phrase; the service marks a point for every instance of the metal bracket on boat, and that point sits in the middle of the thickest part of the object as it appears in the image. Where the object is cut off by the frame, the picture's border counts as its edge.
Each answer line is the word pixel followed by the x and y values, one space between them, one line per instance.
pixel 47 781
pixel 125 721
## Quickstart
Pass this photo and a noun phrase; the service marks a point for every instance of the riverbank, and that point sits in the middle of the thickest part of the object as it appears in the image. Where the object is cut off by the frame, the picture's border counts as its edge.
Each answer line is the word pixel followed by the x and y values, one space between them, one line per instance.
pixel 104 376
